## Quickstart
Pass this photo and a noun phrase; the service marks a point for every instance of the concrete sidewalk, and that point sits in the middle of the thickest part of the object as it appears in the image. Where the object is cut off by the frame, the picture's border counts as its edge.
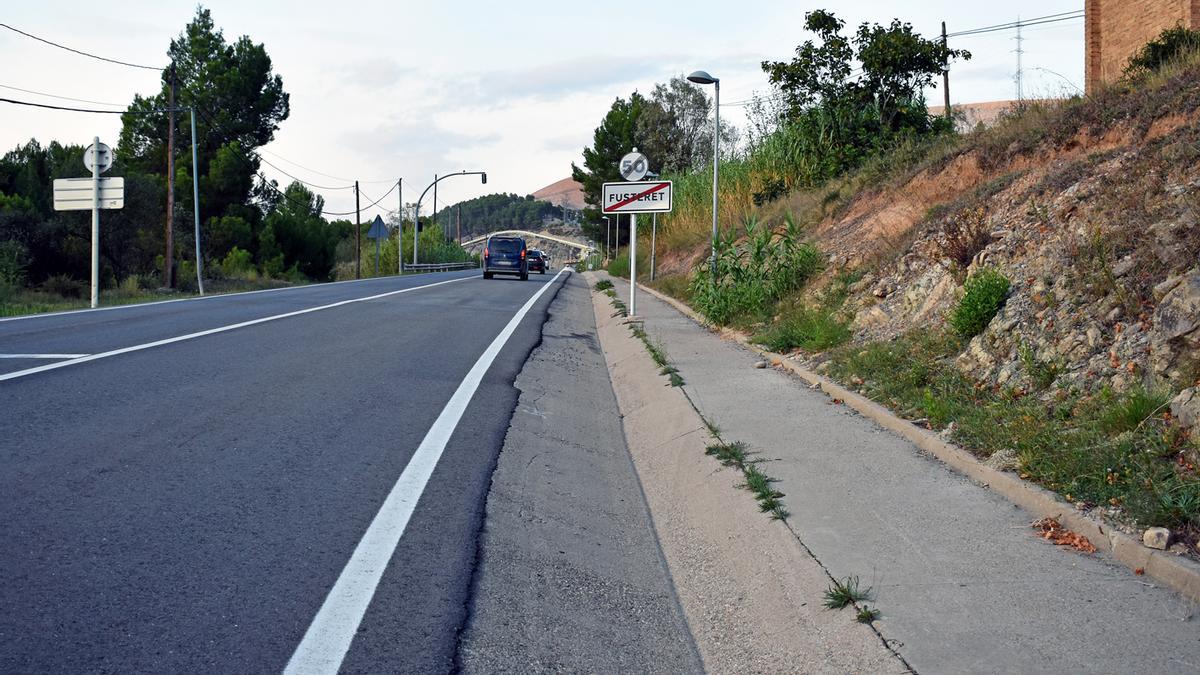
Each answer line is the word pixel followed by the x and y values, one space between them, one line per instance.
pixel 962 582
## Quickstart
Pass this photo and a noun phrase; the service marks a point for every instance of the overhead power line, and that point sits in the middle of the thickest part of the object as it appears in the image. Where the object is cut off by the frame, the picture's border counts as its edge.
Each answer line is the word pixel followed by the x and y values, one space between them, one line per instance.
pixel 64 98
pixel 304 182
pixel 81 53
pixel 1036 21
pixel 86 110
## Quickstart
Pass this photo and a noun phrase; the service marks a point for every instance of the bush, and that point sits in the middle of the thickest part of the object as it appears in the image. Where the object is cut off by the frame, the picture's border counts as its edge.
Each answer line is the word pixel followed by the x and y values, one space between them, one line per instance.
pixel 1169 46
pixel 603 285
pixel 64 286
pixel 13 261
pixel 984 295
pixel 811 329
pixel 752 276
pixel 237 263
pixel 964 236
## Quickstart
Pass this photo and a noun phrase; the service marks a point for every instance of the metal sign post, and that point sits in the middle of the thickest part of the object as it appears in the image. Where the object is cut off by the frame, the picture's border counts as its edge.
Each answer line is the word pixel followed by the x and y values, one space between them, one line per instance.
pixel 378 232
pixel 653 243
pixel 80 194
pixel 96 220
pixel 635 197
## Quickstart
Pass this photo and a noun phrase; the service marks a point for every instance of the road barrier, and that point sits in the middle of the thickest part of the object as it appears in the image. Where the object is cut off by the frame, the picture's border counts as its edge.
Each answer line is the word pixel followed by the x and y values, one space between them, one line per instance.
pixel 440 267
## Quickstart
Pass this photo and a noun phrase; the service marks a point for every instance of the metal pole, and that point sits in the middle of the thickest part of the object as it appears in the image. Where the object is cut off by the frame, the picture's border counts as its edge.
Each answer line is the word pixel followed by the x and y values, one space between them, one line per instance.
pixel 716 164
pixel 196 207
pixel 633 264
pixel 435 182
pixel 653 242
pixel 169 258
pixel 96 222
pixel 357 236
pixel 607 238
pixel 416 233
pixel 400 228
pixel 945 76
pixel 377 243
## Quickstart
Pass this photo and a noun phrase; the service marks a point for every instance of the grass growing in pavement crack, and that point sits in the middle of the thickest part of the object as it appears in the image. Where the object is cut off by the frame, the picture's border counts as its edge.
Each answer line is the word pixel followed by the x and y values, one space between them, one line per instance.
pixel 729 454
pixel 866 614
pixel 845 593
pixel 603 285
pixel 736 455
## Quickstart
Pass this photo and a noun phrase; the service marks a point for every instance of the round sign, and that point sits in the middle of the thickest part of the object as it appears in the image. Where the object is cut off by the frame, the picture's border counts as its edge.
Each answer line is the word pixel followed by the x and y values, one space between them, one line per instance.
pixel 634 166
pixel 105 157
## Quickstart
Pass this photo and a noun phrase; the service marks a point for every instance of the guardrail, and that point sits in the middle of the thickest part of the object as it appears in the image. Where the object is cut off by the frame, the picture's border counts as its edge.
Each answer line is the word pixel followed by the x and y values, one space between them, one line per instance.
pixel 441 267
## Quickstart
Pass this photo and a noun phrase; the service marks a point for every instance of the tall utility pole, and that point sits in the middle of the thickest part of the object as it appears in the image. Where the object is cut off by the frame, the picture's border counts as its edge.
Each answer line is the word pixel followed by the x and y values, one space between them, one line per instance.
pixel 357 236
pixel 169 257
pixel 435 182
pixel 1020 53
pixel 945 76
pixel 458 226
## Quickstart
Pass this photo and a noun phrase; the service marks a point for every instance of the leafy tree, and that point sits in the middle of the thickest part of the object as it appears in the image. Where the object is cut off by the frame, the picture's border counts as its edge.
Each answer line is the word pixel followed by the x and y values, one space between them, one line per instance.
pixel 616 136
pixel 240 103
pixel 675 127
pixel 296 235
pixel 838 119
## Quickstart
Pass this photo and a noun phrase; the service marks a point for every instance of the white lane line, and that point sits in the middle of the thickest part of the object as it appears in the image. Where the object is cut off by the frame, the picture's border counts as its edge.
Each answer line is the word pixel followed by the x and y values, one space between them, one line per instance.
pixel 211 331
pixel 42 356
pixel 210 296
pixel 328 637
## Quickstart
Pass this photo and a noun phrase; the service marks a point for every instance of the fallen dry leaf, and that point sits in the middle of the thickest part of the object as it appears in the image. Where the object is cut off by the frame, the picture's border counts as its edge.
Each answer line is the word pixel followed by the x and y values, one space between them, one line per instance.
pixel 1052 530
pixel 1139 571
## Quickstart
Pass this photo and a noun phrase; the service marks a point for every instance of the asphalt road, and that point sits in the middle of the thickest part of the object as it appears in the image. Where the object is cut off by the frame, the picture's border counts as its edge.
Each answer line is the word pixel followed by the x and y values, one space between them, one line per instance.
pixel 187 506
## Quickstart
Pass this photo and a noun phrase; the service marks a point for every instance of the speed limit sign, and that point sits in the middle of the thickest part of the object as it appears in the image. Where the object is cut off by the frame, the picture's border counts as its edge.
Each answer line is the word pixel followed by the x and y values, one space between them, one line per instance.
pixel 634 166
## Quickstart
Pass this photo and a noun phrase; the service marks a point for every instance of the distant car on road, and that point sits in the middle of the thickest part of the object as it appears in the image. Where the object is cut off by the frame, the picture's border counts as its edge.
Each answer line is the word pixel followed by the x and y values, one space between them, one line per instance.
pixel 537 261
pixel 505 255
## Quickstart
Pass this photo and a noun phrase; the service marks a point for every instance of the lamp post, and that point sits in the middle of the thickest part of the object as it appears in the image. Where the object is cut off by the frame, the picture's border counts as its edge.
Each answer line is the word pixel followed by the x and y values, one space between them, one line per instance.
pixel 417 208
pixel 701 77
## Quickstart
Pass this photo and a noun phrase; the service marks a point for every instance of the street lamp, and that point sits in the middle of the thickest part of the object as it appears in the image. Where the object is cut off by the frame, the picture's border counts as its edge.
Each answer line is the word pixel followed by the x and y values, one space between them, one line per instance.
pixel 701 77
pixel 417 208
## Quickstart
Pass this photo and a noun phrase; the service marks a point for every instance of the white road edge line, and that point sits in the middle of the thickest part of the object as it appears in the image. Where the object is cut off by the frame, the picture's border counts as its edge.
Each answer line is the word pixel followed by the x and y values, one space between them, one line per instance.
pixel 210 296
pixel 43 356
pixel 328 638
pixel 211 331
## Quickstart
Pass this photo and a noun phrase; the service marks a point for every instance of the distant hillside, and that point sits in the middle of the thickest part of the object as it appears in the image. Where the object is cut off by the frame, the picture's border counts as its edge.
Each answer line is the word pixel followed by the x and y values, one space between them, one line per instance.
pixel 498 212
pixel 566 192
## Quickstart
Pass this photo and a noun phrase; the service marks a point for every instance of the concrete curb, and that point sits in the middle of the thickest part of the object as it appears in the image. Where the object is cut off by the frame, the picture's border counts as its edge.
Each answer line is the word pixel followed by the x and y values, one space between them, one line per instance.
pixel 1176 572
pixel 747 612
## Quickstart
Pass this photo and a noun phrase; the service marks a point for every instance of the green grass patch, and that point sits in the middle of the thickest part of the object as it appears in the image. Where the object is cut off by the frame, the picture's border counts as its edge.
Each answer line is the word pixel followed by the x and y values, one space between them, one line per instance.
pixel 603 285
pixel 1109 448
pixel 845 593
pixel 866 615
pixel 812 329
pixel 729 454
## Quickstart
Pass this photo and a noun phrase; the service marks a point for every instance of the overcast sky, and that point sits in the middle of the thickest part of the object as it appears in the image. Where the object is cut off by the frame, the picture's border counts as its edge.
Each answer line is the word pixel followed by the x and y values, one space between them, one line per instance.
pixel 381 90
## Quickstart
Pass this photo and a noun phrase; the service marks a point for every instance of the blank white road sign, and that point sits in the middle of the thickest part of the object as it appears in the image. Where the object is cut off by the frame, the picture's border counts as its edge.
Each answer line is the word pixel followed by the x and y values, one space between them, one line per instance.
pixel 640 197
pixel 75 194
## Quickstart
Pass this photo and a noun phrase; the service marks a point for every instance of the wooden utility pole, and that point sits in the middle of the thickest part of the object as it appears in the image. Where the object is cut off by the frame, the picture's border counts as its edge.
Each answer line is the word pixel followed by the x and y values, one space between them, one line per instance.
pixel 169 256
pixel 458 225
pixel 945 76
pixel 357 236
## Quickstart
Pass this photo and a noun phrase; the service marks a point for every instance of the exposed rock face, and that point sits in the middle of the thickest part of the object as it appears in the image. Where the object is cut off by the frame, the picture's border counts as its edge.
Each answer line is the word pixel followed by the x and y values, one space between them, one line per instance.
pixel 1177 328
pixel 1185 408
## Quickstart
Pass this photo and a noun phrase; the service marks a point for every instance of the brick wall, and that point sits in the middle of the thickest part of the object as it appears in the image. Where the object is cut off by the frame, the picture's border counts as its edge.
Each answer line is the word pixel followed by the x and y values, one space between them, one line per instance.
pixel 1115 29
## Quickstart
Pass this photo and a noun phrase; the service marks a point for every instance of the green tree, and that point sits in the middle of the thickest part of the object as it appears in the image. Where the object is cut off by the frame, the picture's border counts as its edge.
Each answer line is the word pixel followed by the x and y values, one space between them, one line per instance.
pixel 616 136
pixel 675 127
pixel 240 103
pixel 837 118
pixel 297 231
